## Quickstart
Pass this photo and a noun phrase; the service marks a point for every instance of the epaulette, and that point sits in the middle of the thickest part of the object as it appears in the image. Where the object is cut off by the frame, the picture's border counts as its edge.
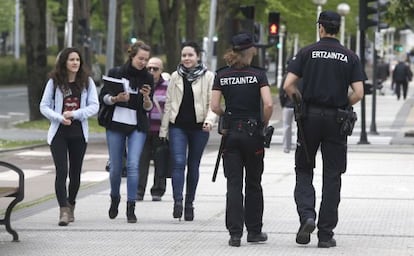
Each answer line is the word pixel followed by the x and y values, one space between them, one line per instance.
pixel 257 67
pixel 222 68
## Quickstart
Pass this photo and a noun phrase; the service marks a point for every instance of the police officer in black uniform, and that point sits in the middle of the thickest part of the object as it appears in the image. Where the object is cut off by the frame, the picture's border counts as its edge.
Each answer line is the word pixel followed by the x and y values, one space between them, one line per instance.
pixel 248 108
pixel 327 70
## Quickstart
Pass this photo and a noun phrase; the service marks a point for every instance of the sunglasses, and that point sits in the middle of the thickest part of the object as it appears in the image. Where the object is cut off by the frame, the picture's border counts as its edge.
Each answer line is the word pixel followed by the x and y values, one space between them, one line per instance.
pixel 153 69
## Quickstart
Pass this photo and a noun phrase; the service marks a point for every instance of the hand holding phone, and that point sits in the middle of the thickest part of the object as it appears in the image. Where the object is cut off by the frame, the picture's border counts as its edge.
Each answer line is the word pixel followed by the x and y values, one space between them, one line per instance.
pixel 145 90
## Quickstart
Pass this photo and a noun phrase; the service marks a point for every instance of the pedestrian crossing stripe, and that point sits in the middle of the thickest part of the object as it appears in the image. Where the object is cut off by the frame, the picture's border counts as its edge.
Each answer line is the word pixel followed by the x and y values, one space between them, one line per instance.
pixel 34 153
pixel 28 173
pixel 88 176
pixel 47 154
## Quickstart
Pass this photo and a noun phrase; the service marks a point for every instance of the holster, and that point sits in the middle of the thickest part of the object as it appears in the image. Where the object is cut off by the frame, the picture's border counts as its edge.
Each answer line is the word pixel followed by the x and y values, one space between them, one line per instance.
pixel 347 118
pixel 300 110
pixel 223 125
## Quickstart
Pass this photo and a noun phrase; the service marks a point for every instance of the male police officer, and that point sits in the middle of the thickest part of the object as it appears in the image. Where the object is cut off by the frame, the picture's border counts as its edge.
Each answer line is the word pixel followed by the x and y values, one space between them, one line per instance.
pixel 327 69
pixel 246 91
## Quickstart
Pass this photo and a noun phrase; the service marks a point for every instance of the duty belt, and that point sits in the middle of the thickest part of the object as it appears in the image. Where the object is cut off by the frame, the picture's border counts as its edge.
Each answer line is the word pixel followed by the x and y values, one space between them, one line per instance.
pixel 319 110
pixel 251 126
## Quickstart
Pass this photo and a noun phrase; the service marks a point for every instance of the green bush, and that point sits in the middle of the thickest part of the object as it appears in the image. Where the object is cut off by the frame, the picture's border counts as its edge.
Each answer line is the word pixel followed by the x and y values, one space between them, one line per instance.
pixel 12 71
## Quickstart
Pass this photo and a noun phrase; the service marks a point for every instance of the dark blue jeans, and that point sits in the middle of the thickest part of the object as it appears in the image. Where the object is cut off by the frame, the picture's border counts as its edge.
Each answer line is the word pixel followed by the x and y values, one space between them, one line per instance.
pixel 186 148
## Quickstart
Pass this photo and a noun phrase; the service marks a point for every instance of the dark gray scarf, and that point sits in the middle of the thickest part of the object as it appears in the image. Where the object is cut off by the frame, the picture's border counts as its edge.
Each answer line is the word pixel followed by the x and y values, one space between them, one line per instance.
pixel 191 74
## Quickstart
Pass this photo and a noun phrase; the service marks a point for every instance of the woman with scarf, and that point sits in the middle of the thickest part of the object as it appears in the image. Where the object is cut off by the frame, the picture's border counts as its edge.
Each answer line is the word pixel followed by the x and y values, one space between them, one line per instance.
pixel 187 121
pixel 128 124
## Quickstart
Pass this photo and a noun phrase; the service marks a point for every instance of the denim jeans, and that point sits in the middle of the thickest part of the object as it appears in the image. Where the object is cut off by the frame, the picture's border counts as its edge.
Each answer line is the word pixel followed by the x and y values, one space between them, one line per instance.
pixel 288 117
pixel 180 140
pixel 116 146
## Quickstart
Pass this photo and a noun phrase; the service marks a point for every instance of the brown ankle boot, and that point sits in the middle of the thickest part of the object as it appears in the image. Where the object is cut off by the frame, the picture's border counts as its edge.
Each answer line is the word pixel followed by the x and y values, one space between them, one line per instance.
pixel 64 216
pixel 71 214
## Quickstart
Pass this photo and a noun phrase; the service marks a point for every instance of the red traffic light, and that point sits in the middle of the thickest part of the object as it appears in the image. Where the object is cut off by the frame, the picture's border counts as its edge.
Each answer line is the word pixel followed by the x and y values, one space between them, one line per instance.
pixel 274 19
pixel 273 29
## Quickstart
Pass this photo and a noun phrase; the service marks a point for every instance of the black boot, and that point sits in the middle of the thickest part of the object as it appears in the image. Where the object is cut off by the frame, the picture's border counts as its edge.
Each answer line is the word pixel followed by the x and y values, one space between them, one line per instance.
pixel 178 210
pixel 113 210
pixel 188 212
pixel 131 212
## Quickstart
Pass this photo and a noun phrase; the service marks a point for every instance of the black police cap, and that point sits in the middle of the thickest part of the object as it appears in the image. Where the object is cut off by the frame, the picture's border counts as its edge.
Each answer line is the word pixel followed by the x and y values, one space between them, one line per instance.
pixel 242 41
pixel 329 18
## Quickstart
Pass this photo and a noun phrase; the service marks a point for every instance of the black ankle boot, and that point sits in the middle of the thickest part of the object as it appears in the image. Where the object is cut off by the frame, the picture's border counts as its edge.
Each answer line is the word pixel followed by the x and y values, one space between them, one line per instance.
pixel 131 212
pixel 113 209
pixel 178 210
pixel 188 213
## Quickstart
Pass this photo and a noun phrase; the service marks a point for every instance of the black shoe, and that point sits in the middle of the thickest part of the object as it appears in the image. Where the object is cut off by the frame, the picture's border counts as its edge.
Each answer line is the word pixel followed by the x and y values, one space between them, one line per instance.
pixel 306 228
pixel 234 241
pixel 113 209
pixel 130 213
pixel 156 198
pixel 189 213
pixel 256 237
pixel 178 210
pixel 327 244
pixel 140 198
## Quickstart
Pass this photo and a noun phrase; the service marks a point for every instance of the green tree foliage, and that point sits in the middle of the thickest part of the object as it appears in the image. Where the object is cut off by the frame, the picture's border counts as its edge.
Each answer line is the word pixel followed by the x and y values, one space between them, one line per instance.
pixel 7 12
pixel 401 13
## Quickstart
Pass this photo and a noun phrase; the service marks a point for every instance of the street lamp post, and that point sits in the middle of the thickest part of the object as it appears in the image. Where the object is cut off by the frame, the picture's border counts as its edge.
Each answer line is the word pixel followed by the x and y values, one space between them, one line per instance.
pixel 69 25
pixel 17 31
pixel 319 4
pixel 280 57
pixel 343 9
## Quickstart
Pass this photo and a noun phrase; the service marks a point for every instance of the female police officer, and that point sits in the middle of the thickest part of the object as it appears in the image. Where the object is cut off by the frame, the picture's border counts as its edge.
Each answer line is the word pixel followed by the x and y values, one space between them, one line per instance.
pixel 244 89
pixel 327 70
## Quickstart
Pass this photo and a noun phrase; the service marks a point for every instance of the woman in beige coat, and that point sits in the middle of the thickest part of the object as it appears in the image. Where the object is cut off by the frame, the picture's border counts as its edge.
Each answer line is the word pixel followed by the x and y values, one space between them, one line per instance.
pixel 187 122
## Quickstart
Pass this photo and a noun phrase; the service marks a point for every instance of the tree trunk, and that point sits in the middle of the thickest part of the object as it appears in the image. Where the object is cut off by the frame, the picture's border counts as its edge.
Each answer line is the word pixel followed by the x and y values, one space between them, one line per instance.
pixel 191 19
pixel 169 19
pixel 36 60
pixel 83 29
pixel 226 11
pixel 119 42
pixel 139 19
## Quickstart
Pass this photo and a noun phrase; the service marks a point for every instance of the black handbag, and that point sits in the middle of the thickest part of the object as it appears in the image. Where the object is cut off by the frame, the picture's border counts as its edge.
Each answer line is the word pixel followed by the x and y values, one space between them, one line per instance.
pixel 162 159
pixel 104 114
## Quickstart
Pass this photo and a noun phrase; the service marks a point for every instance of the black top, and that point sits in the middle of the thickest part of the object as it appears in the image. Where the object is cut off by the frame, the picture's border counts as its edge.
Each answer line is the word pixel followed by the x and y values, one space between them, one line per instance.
pixel 241 90
pixel 71 102
pixel 327 69
pixel 402 73
pixel 186 117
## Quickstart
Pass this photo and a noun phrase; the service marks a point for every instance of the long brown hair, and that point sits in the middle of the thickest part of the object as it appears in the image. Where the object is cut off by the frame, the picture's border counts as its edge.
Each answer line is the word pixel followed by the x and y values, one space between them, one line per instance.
pixel 60 72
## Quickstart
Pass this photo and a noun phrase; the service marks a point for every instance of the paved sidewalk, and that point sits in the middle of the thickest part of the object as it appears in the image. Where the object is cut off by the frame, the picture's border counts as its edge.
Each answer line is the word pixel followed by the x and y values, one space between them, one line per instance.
pixel 375 214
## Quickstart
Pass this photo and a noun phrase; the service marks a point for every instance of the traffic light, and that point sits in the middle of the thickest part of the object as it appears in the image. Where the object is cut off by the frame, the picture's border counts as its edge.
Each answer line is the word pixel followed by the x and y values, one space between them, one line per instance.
pixel 274 20
pixel 398 47
pixel 371 13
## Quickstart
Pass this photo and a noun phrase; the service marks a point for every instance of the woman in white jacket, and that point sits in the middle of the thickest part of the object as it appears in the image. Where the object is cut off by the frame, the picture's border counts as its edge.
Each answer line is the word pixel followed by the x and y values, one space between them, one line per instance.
pixel 69 99
pixel 187 122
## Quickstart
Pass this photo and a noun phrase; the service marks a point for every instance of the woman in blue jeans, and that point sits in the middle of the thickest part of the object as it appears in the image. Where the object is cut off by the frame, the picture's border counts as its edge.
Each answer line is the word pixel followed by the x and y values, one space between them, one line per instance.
pixel 187 122
pixel 128 124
